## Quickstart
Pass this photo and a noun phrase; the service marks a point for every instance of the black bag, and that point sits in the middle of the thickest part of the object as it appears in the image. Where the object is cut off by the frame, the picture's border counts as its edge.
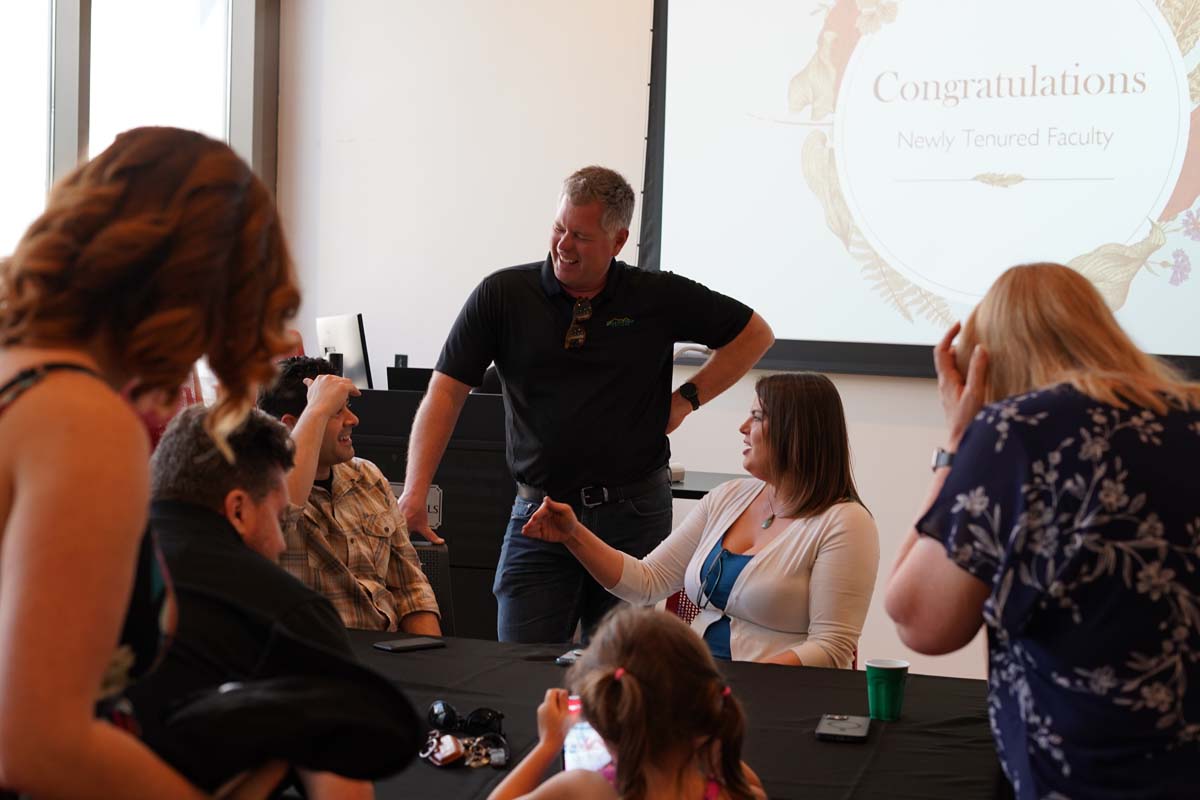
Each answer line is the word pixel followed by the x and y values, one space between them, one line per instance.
pixel 308 706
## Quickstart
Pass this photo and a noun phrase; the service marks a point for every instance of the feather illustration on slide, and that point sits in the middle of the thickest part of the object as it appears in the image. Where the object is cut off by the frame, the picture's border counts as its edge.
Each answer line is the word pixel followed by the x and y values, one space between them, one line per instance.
pixel 897 291
pixel 1112 267
pixel 1184 18
pixel 1002 180
pixel 874 14
pixel 815 85
pixel 820 173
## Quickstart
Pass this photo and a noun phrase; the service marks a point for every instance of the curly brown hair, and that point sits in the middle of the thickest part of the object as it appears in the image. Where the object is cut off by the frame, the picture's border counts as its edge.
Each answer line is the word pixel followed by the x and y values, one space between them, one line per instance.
pixel 163 248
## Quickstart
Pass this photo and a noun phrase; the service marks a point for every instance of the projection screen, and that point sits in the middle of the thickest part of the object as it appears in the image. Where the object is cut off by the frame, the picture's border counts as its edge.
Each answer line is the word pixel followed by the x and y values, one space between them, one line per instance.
pixel 860 171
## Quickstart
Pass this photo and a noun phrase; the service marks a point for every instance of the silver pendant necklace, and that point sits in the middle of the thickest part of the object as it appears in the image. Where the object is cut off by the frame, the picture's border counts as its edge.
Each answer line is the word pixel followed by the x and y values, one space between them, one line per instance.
pixel 770 520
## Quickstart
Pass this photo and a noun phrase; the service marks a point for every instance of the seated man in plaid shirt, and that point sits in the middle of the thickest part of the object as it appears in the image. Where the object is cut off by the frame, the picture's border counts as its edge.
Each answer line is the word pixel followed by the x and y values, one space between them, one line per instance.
pixel 348 541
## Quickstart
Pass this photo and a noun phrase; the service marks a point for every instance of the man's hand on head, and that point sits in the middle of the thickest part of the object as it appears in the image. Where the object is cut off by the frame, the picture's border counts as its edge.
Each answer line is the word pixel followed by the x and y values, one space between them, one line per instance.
pixel 328 394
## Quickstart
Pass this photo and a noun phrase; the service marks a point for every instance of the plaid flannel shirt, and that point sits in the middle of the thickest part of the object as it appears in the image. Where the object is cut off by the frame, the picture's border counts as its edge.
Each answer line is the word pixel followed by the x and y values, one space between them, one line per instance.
pixel 354 549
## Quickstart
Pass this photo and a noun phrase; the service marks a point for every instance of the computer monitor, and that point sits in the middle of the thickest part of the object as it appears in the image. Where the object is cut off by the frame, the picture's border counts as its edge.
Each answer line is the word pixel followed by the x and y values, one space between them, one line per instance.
pixel 345 335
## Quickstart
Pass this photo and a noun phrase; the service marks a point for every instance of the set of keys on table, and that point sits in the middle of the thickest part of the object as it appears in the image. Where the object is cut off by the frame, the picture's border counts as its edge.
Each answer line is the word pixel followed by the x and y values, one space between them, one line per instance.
pixel 445 749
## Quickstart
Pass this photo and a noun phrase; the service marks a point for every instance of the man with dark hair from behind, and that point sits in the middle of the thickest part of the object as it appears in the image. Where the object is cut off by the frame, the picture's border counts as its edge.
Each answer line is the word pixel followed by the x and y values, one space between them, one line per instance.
pixel 219 527
pixel 348 540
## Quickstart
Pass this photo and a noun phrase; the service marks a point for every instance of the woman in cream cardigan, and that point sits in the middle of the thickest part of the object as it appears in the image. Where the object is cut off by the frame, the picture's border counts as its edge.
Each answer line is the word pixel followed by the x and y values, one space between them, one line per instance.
pixel 782 564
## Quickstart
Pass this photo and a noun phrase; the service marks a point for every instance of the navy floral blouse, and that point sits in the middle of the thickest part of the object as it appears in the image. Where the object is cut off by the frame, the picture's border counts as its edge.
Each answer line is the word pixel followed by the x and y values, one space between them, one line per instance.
pixel 1084 520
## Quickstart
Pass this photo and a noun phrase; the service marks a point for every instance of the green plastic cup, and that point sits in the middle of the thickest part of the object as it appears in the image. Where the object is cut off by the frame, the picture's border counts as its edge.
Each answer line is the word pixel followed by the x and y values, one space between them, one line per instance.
pixel 885 687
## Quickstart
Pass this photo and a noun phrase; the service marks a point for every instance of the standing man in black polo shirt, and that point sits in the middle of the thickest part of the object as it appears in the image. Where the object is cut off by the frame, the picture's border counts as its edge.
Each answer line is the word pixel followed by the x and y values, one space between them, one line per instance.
pixel 583 345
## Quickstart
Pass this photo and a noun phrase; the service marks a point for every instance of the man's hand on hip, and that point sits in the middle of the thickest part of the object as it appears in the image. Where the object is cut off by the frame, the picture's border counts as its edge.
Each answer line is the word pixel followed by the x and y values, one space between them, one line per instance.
pixel 416 516
pixel 680 408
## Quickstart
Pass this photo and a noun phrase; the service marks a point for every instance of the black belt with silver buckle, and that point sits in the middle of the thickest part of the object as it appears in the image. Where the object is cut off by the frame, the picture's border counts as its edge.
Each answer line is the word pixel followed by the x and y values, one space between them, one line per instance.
pixel 592 496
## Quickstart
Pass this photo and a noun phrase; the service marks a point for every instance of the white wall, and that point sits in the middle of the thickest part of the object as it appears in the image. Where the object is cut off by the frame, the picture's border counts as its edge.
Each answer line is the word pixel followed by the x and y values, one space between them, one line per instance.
pixel 421 147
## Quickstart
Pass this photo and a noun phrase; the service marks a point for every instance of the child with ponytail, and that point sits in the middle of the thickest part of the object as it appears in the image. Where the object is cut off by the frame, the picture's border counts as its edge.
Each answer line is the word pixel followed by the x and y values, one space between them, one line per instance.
pixel 648 685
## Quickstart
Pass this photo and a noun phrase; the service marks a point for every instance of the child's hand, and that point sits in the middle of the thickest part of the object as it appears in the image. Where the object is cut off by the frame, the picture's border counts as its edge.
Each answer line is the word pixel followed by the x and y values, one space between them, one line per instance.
pixel 553 718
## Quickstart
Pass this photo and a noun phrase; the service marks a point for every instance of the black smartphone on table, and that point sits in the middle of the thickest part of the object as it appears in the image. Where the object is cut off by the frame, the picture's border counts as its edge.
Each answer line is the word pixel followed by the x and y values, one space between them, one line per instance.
pixel 409 643
pixel 570 657
pixel 843 728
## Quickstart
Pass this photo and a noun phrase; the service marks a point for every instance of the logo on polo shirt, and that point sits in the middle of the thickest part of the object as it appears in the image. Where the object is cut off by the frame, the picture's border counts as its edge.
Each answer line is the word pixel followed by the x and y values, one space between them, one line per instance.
pixel 620 322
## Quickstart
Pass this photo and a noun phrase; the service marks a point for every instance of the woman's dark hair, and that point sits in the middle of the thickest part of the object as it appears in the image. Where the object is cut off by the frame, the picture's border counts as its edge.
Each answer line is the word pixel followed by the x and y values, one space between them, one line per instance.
pixel 808 447
pixel 162 249
pixel 649 686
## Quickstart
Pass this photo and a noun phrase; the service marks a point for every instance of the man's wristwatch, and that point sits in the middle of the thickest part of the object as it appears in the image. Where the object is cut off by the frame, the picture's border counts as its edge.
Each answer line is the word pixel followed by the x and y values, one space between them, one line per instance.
pixel 941 458
pixel 688 392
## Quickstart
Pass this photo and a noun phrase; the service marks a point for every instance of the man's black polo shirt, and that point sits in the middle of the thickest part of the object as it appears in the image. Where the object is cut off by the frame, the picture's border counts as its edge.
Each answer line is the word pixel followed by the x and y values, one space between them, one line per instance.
pixel 597 414
pixel 229 600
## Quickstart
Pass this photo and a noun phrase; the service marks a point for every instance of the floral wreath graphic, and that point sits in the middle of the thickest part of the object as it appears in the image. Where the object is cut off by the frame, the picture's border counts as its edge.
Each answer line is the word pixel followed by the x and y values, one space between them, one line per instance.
pixel 1110 267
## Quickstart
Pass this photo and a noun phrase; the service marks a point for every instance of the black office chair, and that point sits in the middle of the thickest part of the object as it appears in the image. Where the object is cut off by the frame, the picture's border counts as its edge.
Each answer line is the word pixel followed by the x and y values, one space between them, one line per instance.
pixel 435 562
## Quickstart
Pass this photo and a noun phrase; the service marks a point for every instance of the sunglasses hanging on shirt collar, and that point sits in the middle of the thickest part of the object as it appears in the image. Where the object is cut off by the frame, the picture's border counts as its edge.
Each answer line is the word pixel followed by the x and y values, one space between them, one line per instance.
pixel 576 333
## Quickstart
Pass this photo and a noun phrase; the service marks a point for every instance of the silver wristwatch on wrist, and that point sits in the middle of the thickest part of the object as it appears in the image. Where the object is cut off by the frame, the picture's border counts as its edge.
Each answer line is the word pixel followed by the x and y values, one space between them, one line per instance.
pixel 941 458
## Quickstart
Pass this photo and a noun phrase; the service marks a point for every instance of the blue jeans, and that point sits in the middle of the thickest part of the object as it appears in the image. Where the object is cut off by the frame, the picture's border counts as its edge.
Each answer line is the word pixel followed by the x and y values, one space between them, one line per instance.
pixel 543 592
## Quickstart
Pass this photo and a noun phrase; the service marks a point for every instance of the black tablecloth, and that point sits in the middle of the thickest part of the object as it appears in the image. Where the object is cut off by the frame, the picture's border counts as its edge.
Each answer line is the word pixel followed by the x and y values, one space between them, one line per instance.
pixel 941 746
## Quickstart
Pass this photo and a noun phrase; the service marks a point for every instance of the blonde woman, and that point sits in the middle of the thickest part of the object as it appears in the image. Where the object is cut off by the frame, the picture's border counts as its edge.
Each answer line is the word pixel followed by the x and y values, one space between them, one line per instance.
pixel 1065 515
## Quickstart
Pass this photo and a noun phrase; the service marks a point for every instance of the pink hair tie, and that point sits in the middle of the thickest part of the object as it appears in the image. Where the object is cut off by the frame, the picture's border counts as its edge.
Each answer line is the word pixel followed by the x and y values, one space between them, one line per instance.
pixel 726 692
pixel 618 673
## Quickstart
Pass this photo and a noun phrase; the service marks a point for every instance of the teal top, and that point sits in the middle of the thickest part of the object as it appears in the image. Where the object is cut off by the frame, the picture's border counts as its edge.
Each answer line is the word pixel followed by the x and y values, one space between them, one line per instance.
pixel 718 573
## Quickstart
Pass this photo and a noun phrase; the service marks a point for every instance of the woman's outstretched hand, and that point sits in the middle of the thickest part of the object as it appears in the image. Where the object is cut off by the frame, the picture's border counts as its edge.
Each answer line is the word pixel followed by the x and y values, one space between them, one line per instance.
pixel 552 522
pixel 962 396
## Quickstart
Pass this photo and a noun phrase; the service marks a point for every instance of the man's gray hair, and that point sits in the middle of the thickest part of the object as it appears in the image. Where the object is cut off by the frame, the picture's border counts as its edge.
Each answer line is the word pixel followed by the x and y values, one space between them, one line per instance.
pixel 606 187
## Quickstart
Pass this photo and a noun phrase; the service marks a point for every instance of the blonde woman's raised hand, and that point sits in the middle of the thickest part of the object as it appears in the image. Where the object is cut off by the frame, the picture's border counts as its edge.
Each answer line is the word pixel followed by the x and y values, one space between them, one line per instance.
pixel 552 522
pixel 962 395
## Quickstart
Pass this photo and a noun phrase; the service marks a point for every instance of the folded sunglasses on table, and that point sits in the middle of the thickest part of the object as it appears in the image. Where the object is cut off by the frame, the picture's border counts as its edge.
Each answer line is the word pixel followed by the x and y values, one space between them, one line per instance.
pixel 483 743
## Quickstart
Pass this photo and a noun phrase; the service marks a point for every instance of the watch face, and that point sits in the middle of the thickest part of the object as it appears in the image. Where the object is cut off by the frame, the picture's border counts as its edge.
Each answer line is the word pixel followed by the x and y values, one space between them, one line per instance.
pixel 942 458
pixel 688 392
